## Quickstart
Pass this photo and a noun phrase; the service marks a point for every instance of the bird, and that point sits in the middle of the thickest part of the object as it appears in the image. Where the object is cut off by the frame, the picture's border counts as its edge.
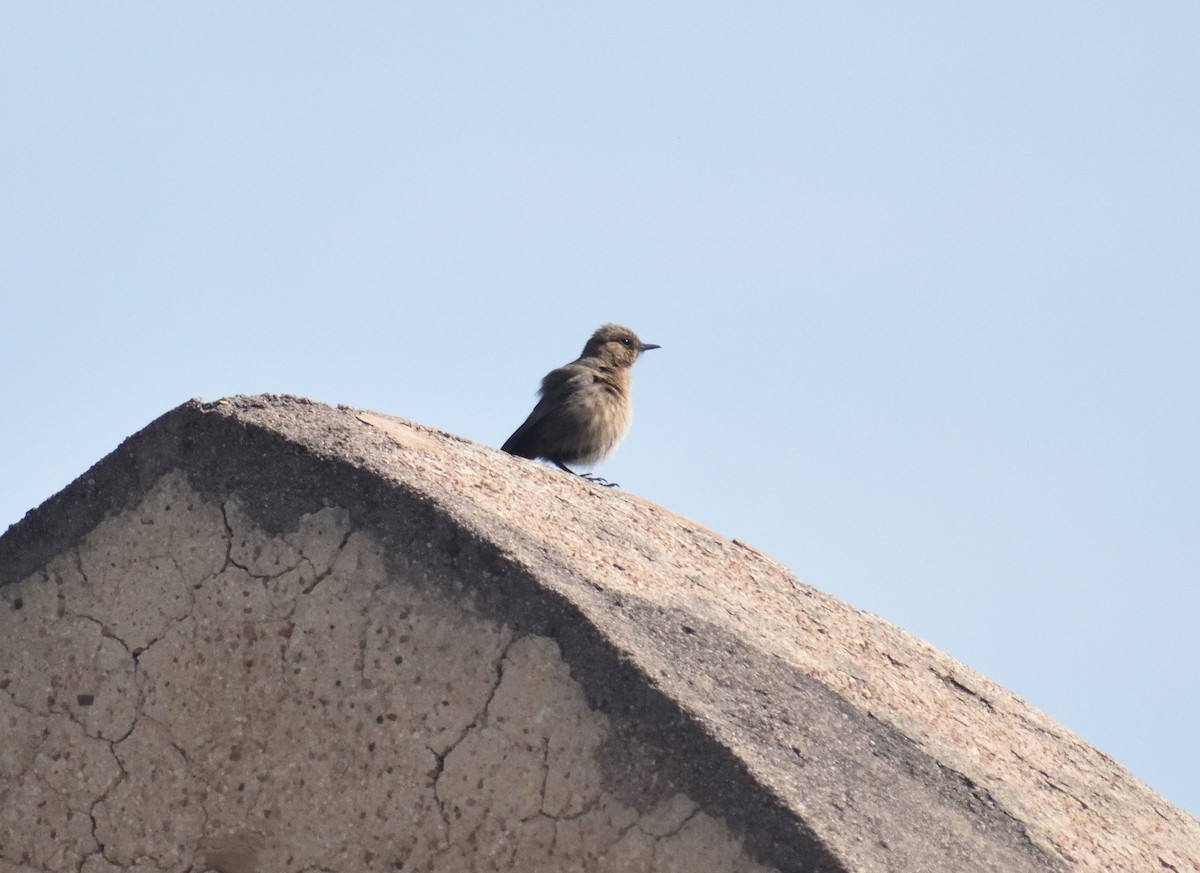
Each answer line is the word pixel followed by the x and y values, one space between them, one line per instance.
pixel 584 407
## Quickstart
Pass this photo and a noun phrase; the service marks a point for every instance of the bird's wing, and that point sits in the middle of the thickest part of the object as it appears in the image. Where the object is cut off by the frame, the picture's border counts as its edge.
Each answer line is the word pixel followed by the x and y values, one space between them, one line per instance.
pixel 566 380
pixel 555 386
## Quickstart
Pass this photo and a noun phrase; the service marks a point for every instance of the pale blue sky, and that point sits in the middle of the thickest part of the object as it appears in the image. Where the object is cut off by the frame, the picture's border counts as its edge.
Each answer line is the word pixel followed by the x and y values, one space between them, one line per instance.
pixel 927 280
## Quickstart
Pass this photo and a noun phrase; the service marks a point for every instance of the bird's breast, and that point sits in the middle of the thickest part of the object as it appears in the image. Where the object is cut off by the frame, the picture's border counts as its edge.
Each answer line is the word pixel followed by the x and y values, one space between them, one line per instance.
pixel 603 415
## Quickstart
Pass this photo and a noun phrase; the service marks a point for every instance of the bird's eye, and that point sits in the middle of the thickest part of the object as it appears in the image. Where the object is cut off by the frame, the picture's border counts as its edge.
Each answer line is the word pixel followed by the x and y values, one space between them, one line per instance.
pixel 625 341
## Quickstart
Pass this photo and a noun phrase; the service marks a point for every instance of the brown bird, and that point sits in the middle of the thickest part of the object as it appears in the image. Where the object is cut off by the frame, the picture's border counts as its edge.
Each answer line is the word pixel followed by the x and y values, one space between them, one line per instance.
pixel 584 408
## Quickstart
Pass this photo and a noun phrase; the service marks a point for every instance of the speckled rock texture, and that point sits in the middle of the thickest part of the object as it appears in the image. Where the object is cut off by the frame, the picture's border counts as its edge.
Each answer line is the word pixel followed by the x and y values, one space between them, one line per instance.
pixel 269 635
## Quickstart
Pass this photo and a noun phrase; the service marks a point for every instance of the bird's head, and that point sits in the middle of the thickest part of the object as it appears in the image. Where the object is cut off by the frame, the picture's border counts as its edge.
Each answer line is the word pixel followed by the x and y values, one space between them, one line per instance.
pixel 617 346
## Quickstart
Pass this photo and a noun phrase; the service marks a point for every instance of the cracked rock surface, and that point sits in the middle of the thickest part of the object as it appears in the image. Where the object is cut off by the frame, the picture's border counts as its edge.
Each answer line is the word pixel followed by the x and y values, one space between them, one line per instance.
pixel 269 635
pixel 186 692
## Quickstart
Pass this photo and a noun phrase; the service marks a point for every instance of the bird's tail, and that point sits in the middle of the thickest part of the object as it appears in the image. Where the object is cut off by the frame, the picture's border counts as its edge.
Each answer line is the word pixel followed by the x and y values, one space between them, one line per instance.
pixel 520 444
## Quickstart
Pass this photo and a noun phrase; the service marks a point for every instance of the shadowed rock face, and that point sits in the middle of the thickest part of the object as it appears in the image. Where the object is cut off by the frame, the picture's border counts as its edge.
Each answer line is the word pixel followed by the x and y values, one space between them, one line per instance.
pixel 283 702
pixel 265 634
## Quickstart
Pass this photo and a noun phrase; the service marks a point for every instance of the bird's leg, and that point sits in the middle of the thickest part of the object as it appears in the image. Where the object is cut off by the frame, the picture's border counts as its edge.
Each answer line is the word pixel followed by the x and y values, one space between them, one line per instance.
pixel 587 476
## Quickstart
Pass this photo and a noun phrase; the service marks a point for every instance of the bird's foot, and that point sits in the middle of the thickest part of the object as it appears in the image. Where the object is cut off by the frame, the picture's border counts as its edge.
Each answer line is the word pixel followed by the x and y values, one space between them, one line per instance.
pixel 588 476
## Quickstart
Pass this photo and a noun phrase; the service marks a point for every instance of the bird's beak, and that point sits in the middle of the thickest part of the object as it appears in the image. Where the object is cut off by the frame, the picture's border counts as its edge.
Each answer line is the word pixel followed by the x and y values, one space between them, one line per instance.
pixel 648 346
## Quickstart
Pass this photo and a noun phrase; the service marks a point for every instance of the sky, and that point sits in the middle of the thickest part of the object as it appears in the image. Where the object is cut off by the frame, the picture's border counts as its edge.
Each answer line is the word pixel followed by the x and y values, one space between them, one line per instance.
pixel 926 277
